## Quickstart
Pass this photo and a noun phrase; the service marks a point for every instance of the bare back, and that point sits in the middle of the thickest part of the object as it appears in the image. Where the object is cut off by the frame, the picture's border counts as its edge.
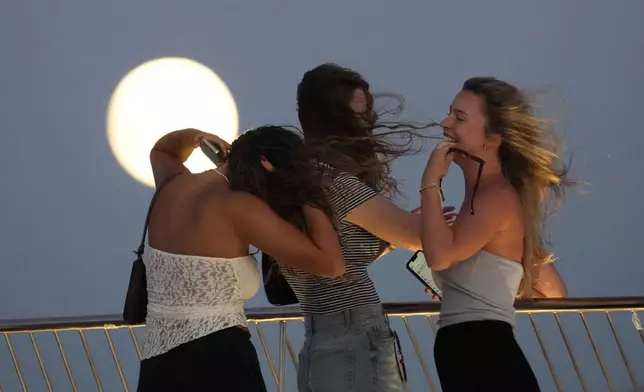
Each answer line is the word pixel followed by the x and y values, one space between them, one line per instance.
pixel 190 218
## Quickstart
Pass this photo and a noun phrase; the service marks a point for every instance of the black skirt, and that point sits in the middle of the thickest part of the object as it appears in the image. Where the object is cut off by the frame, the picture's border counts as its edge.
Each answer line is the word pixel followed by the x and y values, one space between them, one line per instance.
pixel 482 356
pixel 225 360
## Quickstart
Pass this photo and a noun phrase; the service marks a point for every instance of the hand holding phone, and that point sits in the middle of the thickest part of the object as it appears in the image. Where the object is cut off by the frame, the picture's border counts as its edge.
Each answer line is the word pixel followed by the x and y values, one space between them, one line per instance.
pixel 212 152
pixel 417 265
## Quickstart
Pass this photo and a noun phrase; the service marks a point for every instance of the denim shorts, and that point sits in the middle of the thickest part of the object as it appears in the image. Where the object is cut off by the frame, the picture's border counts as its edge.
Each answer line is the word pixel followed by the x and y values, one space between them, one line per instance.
pixel 350 351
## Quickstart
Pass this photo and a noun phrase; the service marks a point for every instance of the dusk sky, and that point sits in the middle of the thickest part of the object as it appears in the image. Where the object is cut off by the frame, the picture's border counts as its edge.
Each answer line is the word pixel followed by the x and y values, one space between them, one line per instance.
pixel 71 216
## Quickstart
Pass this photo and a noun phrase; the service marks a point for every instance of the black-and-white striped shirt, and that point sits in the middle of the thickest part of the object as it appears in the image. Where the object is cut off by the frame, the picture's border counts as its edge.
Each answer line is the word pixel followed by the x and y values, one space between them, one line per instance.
pixel 318 295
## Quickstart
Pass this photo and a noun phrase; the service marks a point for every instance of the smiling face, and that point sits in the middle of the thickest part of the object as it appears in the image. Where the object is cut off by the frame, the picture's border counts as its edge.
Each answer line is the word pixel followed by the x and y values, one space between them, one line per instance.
pixel 465 123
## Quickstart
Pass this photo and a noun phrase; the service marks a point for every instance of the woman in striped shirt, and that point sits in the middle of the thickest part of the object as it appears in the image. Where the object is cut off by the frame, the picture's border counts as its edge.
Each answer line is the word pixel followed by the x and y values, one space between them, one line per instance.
pixel 349 345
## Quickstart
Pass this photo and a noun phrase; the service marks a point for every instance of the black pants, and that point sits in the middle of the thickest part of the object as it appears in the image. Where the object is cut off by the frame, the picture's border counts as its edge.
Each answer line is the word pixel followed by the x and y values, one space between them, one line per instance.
pixel 482 356
pixel 225 360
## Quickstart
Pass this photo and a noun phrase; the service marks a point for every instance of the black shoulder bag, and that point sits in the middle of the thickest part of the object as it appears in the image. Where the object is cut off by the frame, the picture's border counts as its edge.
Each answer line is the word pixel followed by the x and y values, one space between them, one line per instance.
pixel 278 291
pixel 136 299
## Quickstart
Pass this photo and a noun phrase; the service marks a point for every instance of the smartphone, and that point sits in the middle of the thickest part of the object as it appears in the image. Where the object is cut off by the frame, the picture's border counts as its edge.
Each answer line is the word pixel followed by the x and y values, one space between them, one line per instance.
pixel 417 265
pixel 212 152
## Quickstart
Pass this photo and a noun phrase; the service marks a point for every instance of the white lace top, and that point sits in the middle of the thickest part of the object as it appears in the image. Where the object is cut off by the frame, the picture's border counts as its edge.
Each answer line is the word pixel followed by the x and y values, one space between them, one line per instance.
pixel 192 296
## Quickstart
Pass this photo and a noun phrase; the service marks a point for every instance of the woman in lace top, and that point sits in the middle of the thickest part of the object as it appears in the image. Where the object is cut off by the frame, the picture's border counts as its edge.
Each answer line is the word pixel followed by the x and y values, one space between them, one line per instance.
pixel 199 272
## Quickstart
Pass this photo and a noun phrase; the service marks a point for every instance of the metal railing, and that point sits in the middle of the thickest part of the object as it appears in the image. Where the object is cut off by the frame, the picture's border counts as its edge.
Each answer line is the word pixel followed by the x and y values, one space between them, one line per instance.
pixel 581 344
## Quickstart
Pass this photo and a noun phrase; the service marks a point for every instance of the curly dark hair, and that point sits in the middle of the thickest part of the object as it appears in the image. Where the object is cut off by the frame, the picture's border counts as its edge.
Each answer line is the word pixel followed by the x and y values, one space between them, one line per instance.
pixel 296 180
pixel 350 141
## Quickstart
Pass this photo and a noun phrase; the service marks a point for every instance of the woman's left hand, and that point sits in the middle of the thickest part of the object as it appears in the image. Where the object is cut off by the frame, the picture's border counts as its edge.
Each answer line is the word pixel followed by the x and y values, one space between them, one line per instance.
pixel 438 163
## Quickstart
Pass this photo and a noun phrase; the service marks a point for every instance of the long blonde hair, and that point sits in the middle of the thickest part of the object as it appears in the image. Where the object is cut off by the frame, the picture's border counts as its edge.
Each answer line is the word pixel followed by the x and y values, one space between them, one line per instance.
pixel 530 160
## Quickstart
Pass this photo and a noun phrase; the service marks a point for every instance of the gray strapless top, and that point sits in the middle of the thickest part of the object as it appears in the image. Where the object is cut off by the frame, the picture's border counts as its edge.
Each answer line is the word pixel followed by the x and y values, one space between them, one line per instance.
pixel 483 287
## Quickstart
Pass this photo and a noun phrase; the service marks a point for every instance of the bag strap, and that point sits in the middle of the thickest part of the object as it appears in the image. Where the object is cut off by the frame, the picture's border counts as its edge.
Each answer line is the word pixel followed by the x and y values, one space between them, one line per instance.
pixel 139 252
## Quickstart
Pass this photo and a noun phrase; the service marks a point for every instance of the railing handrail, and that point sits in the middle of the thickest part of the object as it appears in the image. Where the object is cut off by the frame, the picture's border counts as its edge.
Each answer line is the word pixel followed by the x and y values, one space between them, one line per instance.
pixel 260 314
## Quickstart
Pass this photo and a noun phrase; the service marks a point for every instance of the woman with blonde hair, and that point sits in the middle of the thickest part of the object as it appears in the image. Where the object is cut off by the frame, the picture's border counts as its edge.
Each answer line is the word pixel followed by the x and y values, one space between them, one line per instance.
pixel 495 250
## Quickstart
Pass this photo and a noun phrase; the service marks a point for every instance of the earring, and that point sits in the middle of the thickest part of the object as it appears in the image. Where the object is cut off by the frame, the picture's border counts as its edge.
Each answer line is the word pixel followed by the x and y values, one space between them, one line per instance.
pixel 485 147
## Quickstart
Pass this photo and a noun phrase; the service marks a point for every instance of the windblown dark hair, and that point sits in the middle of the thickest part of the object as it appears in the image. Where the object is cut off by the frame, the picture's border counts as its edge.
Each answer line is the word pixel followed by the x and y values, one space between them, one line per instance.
pixel 349 141
pixel 296 180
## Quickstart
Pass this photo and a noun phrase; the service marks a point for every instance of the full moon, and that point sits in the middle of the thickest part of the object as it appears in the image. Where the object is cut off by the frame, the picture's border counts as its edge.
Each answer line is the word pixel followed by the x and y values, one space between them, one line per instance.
pixel 161 96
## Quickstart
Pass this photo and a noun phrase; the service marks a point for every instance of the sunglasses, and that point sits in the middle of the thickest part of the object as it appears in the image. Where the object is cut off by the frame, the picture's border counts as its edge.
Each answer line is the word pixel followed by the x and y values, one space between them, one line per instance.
pixel 476 159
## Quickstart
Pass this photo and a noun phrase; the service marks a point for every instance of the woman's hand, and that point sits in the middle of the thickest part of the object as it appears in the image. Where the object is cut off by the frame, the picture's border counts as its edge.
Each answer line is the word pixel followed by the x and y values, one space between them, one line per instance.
pixel 223 145
pixel 431 293
pixel 438 163
pixel 448 213
pixel 172 150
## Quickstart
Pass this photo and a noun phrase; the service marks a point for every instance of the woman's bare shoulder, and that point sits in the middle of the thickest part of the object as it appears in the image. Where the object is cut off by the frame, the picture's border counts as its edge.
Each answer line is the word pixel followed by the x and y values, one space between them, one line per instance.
pixel 507 202
pixel 502 192
pixel 244 203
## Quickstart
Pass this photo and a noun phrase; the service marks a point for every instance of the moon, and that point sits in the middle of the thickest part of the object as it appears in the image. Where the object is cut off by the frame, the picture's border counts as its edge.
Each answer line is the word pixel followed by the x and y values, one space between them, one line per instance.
pixel 161 96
